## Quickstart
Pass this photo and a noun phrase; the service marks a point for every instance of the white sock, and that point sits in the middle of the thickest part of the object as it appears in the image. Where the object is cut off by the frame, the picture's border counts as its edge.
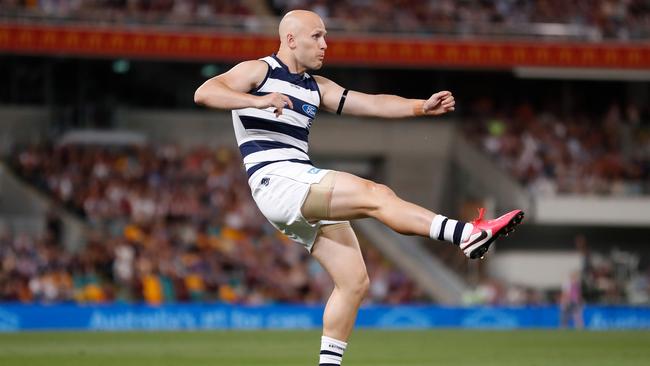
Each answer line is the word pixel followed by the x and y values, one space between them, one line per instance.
pixel 454 231
pixel 331 351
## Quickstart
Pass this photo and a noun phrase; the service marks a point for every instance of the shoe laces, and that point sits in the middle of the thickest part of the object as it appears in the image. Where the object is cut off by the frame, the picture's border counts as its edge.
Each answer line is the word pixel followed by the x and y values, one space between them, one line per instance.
pixel 481 212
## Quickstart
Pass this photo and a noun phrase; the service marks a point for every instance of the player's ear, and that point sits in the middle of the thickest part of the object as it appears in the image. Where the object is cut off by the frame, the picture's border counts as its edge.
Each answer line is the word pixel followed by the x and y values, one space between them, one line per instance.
pixel 291 40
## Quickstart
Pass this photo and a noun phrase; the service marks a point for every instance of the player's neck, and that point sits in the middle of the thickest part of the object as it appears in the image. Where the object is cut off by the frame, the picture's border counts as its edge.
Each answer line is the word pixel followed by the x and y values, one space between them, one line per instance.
pixel 291 63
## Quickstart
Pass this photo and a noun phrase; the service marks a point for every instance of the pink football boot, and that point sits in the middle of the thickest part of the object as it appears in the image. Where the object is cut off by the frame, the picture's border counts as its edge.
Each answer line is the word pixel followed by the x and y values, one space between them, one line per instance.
pixel 485 232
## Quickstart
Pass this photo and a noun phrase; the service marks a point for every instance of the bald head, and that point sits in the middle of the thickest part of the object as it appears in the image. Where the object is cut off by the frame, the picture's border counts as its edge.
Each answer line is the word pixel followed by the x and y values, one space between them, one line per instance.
pixel 302 40
pixel 297 22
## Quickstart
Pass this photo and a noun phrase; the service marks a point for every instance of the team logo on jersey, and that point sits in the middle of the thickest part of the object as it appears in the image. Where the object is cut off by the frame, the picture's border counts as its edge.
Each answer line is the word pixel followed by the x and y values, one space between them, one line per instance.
pixel 265 181
pixel 309 109
pixel 313 171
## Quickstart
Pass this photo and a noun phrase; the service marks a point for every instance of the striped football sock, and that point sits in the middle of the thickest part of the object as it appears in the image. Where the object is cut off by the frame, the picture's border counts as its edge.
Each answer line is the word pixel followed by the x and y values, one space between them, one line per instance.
pixel 331 351
pixel 443 228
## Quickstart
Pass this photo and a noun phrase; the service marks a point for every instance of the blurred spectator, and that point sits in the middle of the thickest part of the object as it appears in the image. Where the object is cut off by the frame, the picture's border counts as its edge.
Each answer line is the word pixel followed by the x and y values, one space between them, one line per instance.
pixel 53 227
pixel 571 302
pixel 615 278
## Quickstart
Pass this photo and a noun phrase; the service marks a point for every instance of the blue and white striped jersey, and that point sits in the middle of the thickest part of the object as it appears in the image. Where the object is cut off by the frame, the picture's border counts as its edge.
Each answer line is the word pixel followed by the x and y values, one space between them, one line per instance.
pixel 264 138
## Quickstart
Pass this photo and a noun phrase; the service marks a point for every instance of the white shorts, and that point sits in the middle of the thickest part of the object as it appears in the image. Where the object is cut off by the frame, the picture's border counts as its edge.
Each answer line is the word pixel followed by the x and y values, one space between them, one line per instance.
pixel 279 190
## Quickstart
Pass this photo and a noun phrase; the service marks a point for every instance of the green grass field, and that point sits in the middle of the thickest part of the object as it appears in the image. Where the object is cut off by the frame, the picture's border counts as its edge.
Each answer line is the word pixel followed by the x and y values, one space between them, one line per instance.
pixel 377 348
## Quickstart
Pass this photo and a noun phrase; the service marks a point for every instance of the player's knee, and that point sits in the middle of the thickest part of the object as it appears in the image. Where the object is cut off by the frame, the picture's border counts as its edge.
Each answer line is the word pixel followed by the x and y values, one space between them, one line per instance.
pixel 384 190
pixel 365 286
pixel 358 287
pixel 379 195
pixel 362 287
pixel 379 190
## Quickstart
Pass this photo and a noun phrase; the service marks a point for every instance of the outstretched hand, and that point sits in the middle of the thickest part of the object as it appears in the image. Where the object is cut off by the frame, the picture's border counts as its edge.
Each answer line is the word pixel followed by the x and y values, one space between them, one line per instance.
pixel 439 103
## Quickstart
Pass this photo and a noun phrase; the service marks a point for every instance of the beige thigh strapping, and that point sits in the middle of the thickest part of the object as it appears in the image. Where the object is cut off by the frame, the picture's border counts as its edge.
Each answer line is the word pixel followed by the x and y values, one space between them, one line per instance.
pixel 333 227
pixel 317 202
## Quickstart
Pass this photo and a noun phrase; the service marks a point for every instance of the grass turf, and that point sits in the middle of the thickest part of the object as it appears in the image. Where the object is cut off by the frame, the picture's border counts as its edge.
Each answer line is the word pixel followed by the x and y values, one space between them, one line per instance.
pixel 286 348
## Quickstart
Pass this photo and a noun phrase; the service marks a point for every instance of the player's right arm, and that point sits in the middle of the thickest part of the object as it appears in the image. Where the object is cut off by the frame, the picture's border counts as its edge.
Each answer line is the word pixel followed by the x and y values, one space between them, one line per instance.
pixel 230 89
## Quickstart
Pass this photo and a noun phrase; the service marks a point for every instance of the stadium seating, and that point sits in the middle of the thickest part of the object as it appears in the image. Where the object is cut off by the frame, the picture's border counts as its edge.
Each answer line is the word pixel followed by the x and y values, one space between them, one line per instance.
pixel 166 225
pixel 576 19
pixel 573 154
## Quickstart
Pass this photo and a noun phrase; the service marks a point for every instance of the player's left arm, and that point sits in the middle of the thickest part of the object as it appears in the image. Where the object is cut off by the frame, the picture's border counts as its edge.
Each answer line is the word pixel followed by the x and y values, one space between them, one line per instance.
pixel 381 105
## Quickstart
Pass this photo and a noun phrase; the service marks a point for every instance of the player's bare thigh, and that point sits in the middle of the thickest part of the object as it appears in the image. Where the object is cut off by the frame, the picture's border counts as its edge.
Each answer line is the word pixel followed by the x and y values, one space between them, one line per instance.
pixel 337 249
pixel 343 196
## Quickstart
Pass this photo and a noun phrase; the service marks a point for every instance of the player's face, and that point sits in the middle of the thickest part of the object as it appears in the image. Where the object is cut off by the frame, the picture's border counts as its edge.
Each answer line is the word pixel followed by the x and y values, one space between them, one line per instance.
pixel 311 46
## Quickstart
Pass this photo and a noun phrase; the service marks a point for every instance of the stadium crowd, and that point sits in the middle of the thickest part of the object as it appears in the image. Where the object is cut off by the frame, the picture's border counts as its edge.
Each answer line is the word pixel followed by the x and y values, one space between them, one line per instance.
pixel 169 225
pixel 551 153
pixel 622 19
pixel 165 225
pixel 129 11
